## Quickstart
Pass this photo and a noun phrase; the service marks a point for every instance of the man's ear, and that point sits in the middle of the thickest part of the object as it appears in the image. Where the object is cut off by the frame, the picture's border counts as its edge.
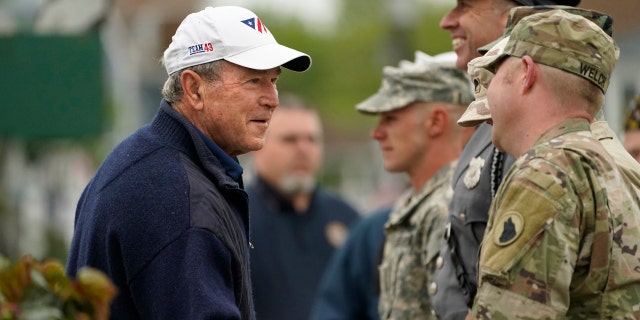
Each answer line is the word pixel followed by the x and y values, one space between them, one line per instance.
pixel 437 121
pixel 192 89
pixel 531 73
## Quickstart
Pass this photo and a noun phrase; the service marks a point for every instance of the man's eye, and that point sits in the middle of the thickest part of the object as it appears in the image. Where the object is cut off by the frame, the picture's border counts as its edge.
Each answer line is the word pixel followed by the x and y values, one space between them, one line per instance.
pixel 388 119
pixel 289 139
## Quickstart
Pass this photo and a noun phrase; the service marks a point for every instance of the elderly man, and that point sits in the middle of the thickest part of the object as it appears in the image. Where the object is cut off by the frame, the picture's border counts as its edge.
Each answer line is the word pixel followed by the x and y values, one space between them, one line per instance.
pixel 166 216
pixel 564 220
pixel 417 104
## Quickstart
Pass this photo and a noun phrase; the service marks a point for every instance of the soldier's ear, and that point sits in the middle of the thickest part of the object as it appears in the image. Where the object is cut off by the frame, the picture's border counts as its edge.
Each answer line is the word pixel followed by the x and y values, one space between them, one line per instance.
pixel 437 121
pixel 530 74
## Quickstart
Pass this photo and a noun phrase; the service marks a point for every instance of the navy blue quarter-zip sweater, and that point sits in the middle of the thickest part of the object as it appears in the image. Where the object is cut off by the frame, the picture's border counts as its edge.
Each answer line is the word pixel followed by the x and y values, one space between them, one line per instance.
pixel 168 225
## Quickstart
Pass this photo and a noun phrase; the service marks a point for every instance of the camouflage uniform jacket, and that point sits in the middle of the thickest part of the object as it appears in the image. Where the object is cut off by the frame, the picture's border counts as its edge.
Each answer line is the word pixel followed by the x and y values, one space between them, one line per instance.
pixel 628 166
pixel 412 242
pixel 563 235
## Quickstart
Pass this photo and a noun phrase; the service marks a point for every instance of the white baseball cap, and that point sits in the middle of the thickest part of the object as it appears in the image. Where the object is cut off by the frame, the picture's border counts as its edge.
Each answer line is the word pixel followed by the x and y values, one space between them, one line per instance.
pixel 231 33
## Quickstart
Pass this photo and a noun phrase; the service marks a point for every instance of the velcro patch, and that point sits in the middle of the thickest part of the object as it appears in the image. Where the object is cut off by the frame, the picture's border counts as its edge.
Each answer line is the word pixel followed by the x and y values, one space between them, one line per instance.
pixel 517 219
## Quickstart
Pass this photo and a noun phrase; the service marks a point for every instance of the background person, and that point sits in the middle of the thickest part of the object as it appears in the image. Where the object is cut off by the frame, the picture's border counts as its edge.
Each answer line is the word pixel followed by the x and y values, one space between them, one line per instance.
pixel 632 131
pixel 296 225
pixel 350 287
pixel 417 104
pixel 165 216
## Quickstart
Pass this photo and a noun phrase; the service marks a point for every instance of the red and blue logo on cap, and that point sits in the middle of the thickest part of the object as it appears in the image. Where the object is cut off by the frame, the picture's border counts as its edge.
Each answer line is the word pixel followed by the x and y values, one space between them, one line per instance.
pixel 200 48
pixel 256 24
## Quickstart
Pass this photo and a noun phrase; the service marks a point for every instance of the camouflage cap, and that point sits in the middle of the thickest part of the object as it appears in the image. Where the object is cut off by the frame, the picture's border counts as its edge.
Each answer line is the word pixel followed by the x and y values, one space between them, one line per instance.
pixel 478 110
pixel 605 22
pixel 426 79
pixel 561 40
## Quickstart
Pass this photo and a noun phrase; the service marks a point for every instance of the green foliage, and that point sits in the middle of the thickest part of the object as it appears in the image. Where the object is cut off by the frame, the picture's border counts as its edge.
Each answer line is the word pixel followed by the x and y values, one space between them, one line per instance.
pixel 347 63
pixel 427 34
pixel 40 290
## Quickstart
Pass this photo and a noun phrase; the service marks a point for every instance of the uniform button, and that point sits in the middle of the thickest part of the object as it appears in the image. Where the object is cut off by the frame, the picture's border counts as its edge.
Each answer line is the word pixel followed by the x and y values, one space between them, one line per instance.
pixel 439 262
pixel 433 288
pixel 463 217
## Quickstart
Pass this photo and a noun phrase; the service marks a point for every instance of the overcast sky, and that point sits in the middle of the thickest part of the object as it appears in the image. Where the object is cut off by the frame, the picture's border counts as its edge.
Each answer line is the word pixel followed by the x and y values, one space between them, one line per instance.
pixel 321 13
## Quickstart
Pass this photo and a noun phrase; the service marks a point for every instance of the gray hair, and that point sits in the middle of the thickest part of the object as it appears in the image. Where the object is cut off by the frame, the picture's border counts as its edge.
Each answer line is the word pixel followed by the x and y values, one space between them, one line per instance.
pixel 292 101
pixel 172 90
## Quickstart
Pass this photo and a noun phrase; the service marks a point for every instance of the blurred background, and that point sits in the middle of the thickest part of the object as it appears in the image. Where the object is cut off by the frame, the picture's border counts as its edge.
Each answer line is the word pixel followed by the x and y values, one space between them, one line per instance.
pixel 77 76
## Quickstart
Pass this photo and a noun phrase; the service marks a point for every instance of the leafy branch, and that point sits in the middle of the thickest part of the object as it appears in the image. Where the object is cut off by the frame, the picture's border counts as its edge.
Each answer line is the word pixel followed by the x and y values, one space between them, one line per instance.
pixel 31 290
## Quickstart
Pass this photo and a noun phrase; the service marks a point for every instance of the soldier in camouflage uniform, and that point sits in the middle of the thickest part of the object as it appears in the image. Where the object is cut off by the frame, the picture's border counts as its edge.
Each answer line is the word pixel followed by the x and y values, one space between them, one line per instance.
pixel 479 174
pixel 418 104
pixel 564 228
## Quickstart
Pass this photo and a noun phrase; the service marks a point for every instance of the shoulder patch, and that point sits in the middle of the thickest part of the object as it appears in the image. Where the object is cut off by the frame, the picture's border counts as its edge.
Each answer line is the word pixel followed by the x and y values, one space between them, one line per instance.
pixel 508 228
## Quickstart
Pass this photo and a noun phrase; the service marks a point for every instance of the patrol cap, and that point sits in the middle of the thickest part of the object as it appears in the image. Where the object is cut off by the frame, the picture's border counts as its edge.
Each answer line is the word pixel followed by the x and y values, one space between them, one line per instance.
pixel 427 79
pixel 231 33
pixel 575 45
pixel 478 110
pixel 560 40
pixel 517 13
